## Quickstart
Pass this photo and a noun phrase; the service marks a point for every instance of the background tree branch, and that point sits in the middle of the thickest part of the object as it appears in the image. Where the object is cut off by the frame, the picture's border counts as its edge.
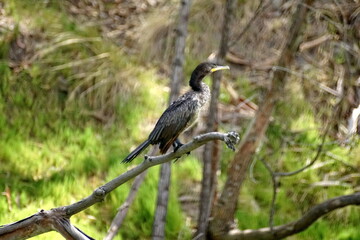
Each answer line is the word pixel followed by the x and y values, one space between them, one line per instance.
pixel 297 226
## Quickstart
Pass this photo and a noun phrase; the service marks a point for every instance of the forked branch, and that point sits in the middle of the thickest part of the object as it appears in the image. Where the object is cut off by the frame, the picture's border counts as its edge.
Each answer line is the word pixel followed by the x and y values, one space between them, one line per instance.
pixel 58 219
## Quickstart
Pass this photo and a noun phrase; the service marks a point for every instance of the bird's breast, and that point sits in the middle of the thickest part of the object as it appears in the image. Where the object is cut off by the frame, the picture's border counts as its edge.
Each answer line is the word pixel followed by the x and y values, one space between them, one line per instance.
pixel 200 102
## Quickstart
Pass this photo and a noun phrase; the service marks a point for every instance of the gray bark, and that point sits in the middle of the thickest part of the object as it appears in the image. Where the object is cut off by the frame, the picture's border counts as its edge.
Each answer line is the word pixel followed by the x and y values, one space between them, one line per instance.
pixel 211 154
pixel 178 63
pixel 57 219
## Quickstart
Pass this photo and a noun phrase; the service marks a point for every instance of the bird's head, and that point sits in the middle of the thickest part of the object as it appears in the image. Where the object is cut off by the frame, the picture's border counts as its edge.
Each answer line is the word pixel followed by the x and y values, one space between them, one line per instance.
pixel 202 70
pixel 209 67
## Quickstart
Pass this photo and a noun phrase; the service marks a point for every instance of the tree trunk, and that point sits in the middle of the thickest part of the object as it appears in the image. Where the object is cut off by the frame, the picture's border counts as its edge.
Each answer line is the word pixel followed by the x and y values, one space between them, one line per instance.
pixel 176 79
pixel 211 154
pixel 224 209
pixel 162 201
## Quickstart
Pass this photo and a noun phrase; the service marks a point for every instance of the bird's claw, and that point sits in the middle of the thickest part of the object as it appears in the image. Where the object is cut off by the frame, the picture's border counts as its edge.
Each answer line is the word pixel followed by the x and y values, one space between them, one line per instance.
pixel 231 139
pixel 148 158
pixel 177 144
pixel 177 147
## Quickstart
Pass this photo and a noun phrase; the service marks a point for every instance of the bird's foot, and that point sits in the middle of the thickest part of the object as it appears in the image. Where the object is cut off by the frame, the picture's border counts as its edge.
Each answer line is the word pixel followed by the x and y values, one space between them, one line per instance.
pixel 177 144
pixel 148 158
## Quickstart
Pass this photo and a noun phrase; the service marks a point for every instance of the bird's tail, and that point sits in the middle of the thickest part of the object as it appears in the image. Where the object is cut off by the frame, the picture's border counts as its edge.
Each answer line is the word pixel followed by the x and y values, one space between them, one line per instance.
pixel 136 152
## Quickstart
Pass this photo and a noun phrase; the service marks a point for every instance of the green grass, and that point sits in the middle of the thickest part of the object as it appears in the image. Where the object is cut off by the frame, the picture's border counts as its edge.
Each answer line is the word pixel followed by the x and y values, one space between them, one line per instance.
pixel 52 152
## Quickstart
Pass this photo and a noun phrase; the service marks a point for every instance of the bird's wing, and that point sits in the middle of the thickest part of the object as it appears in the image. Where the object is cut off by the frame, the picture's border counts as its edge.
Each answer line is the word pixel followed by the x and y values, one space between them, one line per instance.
pixel 174 120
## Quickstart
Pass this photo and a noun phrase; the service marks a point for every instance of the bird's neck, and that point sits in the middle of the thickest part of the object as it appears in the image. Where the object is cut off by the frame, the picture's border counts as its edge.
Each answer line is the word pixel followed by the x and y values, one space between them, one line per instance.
pixel 195 81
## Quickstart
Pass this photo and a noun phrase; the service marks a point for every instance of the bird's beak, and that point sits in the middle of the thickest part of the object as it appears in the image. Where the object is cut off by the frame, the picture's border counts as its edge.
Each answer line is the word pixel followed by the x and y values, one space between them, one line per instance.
pixel 217 68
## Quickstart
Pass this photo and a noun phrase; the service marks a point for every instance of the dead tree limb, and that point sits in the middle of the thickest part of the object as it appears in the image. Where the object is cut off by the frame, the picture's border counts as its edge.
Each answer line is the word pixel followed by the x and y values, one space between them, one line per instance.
pixel 282 231
pixel 57 219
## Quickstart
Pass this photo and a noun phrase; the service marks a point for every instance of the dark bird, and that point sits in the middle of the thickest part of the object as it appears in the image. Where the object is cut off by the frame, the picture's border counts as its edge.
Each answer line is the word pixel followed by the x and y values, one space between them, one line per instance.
pixel 181 113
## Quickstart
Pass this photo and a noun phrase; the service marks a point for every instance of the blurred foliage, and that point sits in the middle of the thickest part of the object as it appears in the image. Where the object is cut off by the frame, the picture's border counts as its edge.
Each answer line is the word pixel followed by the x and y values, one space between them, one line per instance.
pixel 74 99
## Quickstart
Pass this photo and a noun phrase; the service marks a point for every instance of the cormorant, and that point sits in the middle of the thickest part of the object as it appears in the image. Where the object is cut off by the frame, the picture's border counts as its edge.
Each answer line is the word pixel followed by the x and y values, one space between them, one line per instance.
pixel 181 113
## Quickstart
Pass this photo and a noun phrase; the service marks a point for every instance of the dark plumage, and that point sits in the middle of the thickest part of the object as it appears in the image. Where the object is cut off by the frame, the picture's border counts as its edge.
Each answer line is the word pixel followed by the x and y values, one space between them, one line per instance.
pixel 180 114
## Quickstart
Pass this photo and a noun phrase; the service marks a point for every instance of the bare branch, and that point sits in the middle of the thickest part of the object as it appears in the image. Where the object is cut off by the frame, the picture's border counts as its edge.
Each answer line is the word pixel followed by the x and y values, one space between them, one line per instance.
pixel 58 218
pixel 99 194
